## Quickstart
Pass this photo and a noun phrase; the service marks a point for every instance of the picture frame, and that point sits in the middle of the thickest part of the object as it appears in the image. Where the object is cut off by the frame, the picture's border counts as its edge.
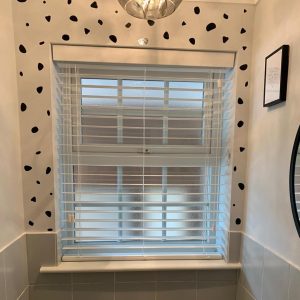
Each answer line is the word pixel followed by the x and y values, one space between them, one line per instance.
pixel 276 76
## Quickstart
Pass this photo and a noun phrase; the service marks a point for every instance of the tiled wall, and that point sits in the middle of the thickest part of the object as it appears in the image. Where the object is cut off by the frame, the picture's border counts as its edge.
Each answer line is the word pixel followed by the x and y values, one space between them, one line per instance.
pixel 265 276
pixel 13 271
pixel 175 285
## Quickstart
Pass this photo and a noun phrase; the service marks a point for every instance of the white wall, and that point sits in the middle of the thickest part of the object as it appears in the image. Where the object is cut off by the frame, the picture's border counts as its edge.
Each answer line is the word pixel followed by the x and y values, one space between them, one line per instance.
pixel 272 132
pixel 11 199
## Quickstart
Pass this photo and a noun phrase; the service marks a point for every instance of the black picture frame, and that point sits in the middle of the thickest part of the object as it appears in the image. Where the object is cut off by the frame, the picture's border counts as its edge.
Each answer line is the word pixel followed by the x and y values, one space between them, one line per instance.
pixel 276 76
pixel 292 181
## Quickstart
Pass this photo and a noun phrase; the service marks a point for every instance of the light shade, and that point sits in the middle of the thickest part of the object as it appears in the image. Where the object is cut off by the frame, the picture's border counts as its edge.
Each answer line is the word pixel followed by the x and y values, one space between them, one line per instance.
pixel 150 9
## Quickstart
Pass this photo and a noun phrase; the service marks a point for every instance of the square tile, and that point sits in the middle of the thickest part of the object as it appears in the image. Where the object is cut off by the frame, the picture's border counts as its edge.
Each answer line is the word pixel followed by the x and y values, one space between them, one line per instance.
pixel 235 239
pixel 136 276
pixel 24 295
pixel 217 275
pixel 243 294
pixel 50 292
pixel 93 292
pixel 41 251
pixel 2 277
pixel 275 281
pixel 131 290
pixel 16 275
pixel 177 276
pixel 252 259
pixel 176 291
pixel 294 284
pixel 104 277
pixel 216 290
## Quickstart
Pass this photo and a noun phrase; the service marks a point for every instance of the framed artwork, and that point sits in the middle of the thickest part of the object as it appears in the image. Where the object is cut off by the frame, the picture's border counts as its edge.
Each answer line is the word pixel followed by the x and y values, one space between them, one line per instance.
pixel 276 75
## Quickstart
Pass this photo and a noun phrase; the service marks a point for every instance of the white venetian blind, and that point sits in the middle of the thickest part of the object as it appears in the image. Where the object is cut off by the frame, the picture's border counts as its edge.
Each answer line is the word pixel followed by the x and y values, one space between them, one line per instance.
pixel 143 161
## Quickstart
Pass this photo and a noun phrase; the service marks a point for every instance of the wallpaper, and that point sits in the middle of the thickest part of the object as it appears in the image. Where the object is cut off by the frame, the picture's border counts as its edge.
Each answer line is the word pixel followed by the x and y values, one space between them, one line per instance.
pixel 40 23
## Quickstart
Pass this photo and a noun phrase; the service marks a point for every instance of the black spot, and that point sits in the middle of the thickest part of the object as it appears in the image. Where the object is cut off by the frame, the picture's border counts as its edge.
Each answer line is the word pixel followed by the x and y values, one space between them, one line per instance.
pixel 211 26
pixel 21 73
pixel 241 186
pixel 33 199
pixel 48 18
pixel 48 213
pixel 48 170
pixel 240 101
pixel 116 12
pixel 245 10
pixel 34 129
pixel 225 39
pixel 246 83
pixel 240 124
pixel 30 223
pixel 128 25
pixel 39 89
pixel 238 221
pixel 197 10
pixel 243 30
pixel 42 43
pixel 22 1
pixel 244 48
pixel 113 38
pixel 51 194
pixel 40 66
pixel 44 2
pixel 242 149
pixel 192 41
pixel 244 67
pixel 151 22
pixel 225 16
pixel 94 5
pixel 27 24
pixel 38 182
pixel 50 229
pixel 38 152
pixel 48 112
pixel 65 37
pixel 166 35
pixel 74 18
pixel 100 22
pixel 27 168
pixel 86 31
pixel 69 2
pixel 183 23
pixel 22 49
pixel 233 204
pixel 234 168
pixel 23 106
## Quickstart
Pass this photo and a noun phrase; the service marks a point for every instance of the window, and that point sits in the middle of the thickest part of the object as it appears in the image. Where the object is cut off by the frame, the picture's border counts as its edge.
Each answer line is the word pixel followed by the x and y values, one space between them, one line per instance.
pixel 143 161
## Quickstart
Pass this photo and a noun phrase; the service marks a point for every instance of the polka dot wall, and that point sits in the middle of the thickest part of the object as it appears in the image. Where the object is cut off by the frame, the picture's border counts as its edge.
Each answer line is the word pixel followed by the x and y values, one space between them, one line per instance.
pixel 40 23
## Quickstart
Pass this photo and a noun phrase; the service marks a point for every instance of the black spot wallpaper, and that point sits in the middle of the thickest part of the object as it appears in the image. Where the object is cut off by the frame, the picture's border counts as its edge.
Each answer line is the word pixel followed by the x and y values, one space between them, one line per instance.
pixel 195 25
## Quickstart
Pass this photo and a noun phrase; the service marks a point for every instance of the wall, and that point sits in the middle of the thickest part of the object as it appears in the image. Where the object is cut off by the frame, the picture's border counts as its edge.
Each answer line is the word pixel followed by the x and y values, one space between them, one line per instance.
pixel 13 261
pixel 196 25
pixel 40 23
pixel 272 132
pixel 11 195
pixel 271 247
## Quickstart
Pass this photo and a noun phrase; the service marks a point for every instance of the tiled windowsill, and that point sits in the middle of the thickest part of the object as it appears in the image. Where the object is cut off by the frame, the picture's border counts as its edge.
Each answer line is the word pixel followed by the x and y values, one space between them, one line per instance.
pixel 153 265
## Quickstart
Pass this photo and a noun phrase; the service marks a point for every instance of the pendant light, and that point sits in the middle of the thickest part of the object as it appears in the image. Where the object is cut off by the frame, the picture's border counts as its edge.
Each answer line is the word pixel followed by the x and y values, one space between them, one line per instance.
pixel 150 9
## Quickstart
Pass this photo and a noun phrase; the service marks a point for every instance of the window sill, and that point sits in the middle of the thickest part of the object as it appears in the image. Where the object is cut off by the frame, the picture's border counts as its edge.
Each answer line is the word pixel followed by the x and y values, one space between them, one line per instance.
pixel 154 265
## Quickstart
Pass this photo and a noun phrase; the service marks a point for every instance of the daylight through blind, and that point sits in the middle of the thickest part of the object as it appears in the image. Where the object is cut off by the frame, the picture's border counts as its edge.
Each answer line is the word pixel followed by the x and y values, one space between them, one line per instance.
pixel 143 161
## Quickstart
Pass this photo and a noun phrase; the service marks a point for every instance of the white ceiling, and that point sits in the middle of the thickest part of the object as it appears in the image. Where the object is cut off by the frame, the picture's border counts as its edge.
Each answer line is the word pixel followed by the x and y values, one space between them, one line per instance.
pixel 228 1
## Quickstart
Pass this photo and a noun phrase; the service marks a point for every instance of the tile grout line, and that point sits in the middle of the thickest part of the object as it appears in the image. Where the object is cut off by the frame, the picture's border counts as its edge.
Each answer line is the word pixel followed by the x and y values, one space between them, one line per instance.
pixel 262 275
pixel 5 280
pixel 289 288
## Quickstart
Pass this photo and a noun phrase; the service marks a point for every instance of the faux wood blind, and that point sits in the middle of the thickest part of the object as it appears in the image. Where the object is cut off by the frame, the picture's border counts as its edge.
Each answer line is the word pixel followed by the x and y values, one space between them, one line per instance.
pixel 143 161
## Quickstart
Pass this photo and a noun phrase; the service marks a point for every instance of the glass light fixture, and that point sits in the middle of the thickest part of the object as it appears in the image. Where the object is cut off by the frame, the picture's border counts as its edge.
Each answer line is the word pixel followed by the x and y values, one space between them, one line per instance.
pixel 150 9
